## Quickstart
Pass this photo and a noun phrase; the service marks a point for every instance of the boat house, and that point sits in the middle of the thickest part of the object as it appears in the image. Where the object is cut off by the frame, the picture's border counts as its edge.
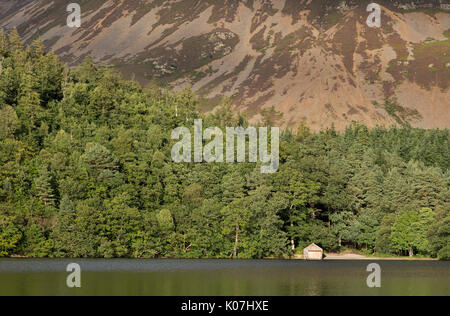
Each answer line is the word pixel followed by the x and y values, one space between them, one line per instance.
pixel 313 252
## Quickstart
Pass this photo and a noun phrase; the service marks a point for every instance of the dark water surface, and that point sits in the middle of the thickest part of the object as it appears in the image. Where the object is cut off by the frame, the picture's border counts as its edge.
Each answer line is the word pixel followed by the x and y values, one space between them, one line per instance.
pixel 222 277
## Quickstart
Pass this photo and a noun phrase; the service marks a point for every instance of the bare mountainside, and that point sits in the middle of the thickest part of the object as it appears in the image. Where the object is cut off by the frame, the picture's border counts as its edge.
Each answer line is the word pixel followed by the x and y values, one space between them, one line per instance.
pixel 313 61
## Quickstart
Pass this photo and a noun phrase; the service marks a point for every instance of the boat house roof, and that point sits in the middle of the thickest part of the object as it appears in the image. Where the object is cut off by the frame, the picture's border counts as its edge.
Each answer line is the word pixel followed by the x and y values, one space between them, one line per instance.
pixel 313 247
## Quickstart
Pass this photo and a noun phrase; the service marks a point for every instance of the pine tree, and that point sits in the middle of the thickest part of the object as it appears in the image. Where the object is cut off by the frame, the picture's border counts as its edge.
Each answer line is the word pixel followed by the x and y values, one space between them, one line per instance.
pixel 37 48
pixel 99 158
pixel 15 42
pixel 9 122
pixel 43 187
pixel 29 104
pixel 4 46
pixel 66 213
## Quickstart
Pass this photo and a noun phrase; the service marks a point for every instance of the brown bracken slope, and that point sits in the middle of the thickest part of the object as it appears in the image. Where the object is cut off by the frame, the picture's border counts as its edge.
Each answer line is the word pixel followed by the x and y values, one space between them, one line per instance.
pixel 314 61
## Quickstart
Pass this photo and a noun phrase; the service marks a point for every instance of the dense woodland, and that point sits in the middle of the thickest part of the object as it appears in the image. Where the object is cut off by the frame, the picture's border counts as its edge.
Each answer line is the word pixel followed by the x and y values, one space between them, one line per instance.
pixel 86 171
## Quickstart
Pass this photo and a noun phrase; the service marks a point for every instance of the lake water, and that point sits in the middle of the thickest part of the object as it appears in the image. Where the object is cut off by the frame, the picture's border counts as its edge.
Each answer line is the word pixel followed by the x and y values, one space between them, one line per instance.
pixel 222 277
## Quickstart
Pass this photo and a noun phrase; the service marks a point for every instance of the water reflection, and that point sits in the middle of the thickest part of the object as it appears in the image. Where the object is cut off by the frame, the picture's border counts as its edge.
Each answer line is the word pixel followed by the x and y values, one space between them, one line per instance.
pixel 222 277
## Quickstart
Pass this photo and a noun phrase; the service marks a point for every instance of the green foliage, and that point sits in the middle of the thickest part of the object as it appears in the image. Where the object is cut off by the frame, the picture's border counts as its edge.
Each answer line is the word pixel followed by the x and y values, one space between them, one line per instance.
pixel 9 122
pixel 270 116
pixel 85 171
pixel 383 235
pixel 402 116
pixel 409 231
pixel 10 235
pixel 444 253
pixel 447 33
pixel 35 243
pixel 439 235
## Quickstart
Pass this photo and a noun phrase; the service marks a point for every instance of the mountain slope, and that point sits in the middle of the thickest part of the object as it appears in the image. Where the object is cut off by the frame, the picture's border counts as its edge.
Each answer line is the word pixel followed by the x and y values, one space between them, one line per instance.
pixel 314 61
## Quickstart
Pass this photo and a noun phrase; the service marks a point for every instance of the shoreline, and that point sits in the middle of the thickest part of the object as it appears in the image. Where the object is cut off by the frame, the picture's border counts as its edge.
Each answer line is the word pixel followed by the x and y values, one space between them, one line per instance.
pixel 352 256
pixel 327 257
pixel 355 256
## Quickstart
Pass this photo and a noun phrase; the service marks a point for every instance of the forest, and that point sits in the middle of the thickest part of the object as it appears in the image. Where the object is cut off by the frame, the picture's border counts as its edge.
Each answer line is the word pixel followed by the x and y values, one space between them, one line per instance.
pixel 86 172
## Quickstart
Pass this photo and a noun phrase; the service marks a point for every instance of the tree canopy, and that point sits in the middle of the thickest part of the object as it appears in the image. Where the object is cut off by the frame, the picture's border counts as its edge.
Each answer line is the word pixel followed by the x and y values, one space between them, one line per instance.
pixel 86 171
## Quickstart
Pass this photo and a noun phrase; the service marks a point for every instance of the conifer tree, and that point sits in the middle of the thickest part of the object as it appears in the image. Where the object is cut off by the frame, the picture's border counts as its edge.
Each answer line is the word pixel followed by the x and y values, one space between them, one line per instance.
pixel 43 187
pixel 4 46
pixel 15 42
pixel 9 122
